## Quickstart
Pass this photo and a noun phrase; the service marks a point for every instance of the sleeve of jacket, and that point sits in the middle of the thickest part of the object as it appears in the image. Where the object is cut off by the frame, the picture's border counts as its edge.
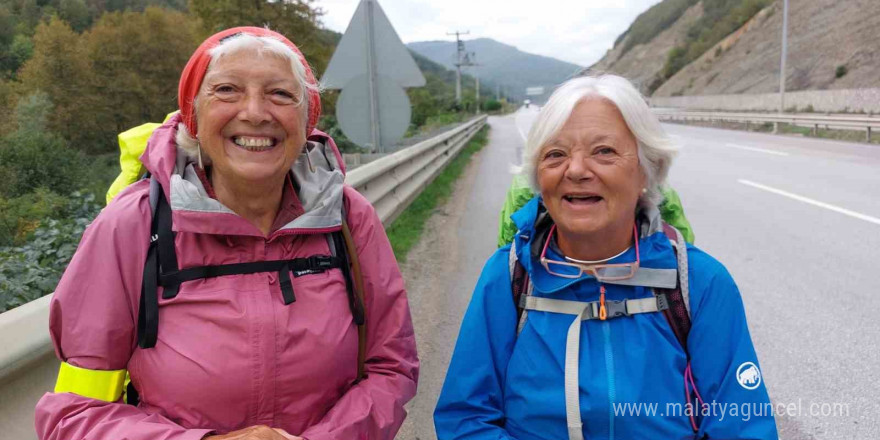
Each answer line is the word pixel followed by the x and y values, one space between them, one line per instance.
pixel 92 321
pixel 471 404
pixel 373 409
pixel 723 358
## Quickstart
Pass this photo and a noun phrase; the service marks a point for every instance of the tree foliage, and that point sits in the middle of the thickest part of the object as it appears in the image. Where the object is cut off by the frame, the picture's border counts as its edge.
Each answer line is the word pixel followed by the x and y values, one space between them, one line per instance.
pixel 32 270
pixel 33 157
pixel 136 59
pixel 60 69
pixel 295 19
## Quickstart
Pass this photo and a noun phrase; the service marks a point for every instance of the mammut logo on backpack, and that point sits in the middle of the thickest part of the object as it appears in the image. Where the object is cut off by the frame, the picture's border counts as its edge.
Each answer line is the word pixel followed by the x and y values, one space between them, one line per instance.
pixel 748 375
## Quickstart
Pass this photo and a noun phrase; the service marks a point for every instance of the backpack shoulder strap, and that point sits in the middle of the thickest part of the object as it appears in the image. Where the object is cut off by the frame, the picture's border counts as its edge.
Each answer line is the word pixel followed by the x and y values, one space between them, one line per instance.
pixel 519 285
pixel 148 313
pixel 679 312
pixel 356 295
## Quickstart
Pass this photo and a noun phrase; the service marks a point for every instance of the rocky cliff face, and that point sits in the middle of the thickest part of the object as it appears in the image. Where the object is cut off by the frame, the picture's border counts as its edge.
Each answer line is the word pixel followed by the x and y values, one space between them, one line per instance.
pixel 643 63
pixel 832 44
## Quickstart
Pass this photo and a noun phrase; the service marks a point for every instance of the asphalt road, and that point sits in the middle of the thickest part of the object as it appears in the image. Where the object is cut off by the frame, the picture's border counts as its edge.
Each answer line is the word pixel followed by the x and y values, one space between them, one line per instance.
pixel 795 220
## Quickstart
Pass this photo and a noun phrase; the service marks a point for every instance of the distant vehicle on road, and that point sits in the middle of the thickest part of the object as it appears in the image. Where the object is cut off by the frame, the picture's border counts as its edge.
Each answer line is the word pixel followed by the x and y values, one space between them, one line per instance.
pixel 527 102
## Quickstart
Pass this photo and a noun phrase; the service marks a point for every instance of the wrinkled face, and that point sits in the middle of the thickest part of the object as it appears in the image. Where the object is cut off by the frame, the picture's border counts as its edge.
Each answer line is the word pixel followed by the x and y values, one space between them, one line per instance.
pixel 249 117
pixel 589 173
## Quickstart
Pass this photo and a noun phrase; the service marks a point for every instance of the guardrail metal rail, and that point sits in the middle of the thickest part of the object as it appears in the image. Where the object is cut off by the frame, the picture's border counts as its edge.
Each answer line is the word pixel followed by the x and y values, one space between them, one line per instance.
pixel 811 120
pixel 28 367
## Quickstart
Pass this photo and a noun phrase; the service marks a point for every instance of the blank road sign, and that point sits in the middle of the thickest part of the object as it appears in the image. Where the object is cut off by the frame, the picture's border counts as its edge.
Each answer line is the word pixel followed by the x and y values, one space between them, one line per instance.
pixel 390 57
pixel 352 111
pixel 534 91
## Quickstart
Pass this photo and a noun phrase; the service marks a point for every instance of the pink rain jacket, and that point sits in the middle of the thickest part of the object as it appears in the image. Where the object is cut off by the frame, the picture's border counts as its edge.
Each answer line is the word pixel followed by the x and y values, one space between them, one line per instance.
pixel 230 354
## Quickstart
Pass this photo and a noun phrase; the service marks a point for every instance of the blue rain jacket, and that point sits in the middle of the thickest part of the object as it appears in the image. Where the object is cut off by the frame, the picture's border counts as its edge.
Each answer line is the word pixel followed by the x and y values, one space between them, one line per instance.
pixel 503 386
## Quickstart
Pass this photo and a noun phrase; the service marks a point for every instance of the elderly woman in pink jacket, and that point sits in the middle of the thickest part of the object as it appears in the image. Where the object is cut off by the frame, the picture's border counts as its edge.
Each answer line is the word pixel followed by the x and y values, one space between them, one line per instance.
pixel 223 284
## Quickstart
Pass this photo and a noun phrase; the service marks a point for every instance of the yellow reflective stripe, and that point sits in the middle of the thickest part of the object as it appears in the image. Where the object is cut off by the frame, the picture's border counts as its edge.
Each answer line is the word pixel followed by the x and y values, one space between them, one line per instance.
pixel 95 384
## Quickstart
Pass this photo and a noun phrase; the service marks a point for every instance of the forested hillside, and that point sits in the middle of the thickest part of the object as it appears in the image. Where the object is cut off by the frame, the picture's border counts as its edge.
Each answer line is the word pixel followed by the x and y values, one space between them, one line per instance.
pixel 75 73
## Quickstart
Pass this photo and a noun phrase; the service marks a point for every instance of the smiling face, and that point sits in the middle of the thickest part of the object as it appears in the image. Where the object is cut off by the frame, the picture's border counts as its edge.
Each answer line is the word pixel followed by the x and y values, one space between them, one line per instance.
pixel 589 173
pixel 251 122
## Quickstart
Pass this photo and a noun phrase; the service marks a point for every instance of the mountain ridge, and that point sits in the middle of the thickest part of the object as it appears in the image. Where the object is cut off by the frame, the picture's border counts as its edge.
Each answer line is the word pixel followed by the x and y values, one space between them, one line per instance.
pixel 501 64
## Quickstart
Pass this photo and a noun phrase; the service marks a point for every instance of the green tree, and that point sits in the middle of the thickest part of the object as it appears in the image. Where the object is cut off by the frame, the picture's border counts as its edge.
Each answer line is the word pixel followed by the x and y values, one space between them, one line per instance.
pixel 75 12
pixel 60 69
pixel 295 19
pixel 136 59
pixel 33 157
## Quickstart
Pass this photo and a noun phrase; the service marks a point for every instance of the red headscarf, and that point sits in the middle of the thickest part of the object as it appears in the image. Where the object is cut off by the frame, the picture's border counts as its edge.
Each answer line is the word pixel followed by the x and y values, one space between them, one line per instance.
pixel 197 66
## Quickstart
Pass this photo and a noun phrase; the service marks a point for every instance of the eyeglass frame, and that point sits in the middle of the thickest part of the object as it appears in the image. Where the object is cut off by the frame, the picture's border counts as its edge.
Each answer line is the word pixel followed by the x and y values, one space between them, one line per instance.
pixel 592 269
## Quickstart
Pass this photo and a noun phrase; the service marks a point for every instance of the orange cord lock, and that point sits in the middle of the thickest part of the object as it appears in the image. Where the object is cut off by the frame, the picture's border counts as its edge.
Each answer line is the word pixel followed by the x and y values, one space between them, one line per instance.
pixel 603 314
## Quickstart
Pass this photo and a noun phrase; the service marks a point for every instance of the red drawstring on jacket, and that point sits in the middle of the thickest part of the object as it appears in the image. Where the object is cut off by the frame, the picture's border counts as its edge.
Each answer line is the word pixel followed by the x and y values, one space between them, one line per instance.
pixel 603 314
pixel 689 384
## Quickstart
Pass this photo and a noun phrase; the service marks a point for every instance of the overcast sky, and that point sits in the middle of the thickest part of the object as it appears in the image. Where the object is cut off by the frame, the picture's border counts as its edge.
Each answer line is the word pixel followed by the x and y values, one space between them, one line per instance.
pixel 577 31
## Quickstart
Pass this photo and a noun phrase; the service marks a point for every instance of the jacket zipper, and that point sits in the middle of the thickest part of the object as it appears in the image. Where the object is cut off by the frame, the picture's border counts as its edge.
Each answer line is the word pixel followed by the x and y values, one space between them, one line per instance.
pixel 609 368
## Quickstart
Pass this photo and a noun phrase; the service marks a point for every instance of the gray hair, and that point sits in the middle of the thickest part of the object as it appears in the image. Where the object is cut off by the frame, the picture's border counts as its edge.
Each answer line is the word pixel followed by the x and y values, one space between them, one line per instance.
pixel 262 45
pixel 655 149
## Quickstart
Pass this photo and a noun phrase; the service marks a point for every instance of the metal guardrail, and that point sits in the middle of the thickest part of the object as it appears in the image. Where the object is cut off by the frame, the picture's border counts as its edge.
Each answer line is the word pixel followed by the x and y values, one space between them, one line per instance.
pixel 811 120
pixel 392 182
pixel 28 366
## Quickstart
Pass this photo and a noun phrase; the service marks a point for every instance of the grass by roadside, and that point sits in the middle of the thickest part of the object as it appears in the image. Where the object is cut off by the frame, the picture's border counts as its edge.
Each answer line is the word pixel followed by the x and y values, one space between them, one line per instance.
pixel 791 130
pixel 406 230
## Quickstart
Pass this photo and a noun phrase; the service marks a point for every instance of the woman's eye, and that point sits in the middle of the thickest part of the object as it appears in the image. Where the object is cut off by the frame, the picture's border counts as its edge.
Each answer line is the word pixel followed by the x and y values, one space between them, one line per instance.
pixel 604 151
pixel 554 154
pixel 284 94
pixel 224 89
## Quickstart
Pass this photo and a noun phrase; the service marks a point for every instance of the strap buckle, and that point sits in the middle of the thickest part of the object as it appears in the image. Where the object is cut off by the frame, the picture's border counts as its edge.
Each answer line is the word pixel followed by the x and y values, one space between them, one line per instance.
pixel 615 309
pixel 662 302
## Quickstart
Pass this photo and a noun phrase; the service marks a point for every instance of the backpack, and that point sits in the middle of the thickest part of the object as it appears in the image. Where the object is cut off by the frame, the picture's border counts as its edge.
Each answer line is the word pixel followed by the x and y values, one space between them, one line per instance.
pixel 672 302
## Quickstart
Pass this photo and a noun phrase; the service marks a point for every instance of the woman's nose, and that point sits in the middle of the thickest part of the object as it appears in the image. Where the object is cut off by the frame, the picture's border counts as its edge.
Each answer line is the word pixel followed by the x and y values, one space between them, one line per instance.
pixel 578 168
pixel 255 110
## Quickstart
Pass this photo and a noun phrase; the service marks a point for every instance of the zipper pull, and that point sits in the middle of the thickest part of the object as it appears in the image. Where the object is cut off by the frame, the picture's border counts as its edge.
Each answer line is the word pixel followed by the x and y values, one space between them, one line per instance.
pixel 603 314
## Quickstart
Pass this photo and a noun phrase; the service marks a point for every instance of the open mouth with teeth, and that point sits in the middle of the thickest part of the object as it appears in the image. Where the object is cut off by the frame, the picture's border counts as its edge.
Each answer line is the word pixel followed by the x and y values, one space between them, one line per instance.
pixel 254 143
pixel 582 200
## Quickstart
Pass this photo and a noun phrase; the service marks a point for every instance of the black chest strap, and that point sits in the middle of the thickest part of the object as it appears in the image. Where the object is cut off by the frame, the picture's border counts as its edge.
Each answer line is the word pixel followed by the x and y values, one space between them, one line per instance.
pixel 160 269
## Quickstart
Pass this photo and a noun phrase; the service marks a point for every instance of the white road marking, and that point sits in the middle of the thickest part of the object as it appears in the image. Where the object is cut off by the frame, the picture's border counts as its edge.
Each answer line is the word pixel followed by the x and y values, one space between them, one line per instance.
pixel 810 201
pixel 521 134
pixel 759 150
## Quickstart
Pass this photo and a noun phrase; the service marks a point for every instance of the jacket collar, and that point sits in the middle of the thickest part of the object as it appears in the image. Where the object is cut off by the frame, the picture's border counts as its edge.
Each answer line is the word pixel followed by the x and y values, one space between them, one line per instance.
pixel 533 223
pixel 318 175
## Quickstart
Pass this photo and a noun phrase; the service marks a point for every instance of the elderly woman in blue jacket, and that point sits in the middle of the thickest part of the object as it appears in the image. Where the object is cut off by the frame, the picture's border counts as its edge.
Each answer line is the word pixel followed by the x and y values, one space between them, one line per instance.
pixel 599 321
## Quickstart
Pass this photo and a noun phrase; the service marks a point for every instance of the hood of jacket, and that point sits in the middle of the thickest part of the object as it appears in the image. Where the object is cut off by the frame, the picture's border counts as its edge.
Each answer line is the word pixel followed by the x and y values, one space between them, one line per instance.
pixel 533 224
pixel 318 174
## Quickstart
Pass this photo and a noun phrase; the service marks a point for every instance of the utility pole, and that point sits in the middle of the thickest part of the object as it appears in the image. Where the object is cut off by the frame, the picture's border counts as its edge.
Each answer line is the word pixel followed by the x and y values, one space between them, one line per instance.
pixel 782 62
pixel 477 77
pixel 470 62
pixel 459 48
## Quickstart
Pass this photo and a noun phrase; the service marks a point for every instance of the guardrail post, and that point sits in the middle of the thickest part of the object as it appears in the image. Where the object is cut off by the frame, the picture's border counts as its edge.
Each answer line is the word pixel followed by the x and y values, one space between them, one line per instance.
pixel 868 136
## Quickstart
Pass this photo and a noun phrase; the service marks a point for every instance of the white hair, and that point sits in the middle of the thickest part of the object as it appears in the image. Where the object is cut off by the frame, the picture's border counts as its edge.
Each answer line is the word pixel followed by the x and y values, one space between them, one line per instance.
pixel 655 149
pixel 262 45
